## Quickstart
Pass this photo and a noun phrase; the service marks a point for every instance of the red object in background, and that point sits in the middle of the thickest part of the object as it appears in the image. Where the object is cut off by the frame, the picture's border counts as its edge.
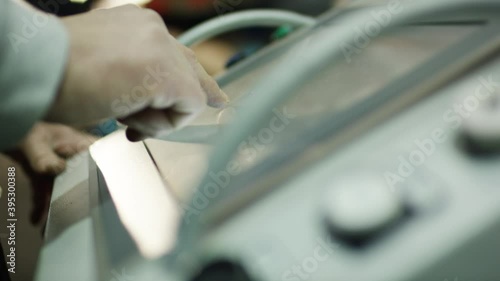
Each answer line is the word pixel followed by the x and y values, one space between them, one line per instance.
pixel 160 6
pixel 199 4
pixel 188 8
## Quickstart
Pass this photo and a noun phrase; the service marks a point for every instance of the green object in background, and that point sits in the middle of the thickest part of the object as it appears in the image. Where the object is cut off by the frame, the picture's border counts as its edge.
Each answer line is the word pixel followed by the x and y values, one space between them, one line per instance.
pixel 282 32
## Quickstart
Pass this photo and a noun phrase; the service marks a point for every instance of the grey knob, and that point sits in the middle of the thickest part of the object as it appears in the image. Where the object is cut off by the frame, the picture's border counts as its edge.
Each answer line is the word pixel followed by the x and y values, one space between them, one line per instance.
pixel 361 205
pixel 482 128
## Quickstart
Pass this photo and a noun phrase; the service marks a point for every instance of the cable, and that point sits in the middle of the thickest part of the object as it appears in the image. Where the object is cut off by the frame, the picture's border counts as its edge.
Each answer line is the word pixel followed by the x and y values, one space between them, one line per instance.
pixel 285 79
pixel 239 20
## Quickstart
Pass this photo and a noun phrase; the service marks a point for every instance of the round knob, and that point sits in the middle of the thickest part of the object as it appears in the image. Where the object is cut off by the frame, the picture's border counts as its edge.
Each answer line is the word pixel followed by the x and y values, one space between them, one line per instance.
pixel 482 128
pixel 361 205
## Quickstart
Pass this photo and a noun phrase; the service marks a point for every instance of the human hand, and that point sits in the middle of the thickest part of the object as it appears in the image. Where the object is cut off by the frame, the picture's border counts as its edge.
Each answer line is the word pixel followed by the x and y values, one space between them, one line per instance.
pixel 124 64
pixel 47 146
pixel 42 155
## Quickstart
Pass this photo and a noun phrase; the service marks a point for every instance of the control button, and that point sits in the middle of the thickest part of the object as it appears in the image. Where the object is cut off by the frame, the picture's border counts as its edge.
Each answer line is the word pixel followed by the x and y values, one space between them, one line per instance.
pixel 482 128
pixel 223 270
pixel 361 205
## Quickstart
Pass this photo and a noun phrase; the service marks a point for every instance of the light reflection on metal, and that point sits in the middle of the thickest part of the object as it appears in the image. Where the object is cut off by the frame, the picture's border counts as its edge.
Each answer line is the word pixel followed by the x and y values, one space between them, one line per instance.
pixel 78 1
pixel 106 4
pixel 145 207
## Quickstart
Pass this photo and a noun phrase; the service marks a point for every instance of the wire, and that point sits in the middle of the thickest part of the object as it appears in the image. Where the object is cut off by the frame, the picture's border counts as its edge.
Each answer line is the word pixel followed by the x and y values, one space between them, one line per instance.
pixel 291 74
pixel 239 20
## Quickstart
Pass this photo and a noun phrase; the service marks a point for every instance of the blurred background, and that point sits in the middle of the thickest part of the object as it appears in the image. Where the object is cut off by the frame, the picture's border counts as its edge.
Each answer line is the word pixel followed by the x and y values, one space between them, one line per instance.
pixel 180 15
pixel 33 193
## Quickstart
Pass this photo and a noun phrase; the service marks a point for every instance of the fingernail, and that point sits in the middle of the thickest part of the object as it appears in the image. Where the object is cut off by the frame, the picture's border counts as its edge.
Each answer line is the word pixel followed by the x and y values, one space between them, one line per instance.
pixel 221 101
pixel 134 135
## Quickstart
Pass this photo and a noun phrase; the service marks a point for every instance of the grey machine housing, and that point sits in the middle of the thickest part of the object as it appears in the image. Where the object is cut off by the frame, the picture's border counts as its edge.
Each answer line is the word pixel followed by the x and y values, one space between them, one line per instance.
pixel 384 172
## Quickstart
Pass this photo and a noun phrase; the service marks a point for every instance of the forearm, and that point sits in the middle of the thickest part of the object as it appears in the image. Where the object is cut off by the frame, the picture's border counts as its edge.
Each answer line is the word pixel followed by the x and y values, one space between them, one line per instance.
pixel 33 56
